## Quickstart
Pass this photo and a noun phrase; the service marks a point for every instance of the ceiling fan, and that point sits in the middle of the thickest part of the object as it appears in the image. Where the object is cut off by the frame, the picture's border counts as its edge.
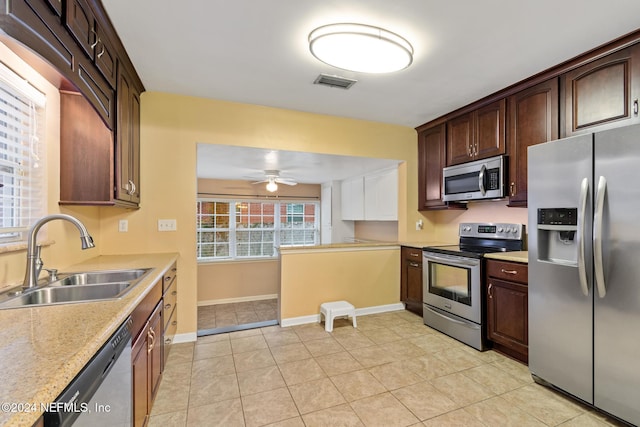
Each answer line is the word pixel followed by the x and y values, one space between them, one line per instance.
pixel 272 178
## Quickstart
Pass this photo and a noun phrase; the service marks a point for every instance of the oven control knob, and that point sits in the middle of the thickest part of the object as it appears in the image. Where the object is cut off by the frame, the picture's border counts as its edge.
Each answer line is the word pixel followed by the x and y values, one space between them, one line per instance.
pixel 500 230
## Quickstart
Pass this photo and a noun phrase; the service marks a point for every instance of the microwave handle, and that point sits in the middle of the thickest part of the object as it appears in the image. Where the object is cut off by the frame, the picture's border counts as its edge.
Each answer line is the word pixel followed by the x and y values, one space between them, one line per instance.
pixel 481 180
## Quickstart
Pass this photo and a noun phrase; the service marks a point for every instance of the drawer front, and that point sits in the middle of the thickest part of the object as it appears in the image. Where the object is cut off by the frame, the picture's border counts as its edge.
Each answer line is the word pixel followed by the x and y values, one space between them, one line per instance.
pixel 144 310
pixel 511 271
pixel 412 254
pixel 170 299
pixel 168 277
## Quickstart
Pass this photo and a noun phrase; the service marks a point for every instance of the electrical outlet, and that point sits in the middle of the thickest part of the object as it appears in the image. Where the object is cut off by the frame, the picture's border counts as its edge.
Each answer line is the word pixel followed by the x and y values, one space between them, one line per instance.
pixel 167 225
pixel 123 226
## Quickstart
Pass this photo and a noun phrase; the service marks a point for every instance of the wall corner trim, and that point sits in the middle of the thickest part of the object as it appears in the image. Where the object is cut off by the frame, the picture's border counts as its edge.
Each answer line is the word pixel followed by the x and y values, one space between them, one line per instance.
pixel 182 338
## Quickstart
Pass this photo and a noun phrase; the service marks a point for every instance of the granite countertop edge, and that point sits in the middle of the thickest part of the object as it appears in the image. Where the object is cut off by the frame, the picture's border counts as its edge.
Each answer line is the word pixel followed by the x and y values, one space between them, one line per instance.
pixel 515 256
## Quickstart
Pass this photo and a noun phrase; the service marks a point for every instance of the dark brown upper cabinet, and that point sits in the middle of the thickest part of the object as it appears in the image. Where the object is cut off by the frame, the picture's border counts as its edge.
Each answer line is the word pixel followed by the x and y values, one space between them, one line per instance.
pixel 602 94
pixel 477 134
pixel 431 160
pixel 532 119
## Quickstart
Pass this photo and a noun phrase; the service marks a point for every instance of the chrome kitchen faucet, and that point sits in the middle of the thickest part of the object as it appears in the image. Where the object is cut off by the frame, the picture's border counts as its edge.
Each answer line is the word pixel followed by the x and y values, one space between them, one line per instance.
pixel 34 263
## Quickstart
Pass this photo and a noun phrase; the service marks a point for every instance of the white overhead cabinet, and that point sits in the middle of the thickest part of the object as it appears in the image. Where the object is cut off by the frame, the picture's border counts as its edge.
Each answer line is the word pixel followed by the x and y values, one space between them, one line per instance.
pixel 372 197
pixel 353 199
pixel 381 196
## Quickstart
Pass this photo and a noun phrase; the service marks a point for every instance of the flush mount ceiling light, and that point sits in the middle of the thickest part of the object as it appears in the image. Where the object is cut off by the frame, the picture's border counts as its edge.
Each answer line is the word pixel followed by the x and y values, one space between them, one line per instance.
pixel 360 48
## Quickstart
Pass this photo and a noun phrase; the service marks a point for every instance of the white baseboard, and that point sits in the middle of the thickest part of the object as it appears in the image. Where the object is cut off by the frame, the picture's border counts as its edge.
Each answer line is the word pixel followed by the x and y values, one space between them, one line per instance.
pixel 239 299
pixel 315 318
pixel 302 320
pixel 379 309
pixel 188 337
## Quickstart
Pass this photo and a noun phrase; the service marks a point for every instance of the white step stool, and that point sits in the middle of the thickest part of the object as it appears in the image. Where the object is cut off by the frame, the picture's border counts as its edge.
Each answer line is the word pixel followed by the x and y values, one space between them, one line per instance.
pixel 331 310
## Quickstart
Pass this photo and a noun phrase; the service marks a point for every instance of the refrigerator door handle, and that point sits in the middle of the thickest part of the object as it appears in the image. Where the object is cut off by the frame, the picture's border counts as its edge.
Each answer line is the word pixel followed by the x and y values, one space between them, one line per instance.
pixel 582 269
pixel 597 237
pixel 481 180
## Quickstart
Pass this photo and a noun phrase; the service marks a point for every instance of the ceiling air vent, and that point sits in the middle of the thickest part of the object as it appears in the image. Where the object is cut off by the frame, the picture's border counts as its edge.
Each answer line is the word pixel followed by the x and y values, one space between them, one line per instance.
pixel 334 81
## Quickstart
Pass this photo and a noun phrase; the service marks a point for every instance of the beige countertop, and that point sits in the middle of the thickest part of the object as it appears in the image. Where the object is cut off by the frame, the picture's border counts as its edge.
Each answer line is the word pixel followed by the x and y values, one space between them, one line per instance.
pixel 515 256
pixel 42 349
pixel 420 245
pixel 357 245
pixel 338 246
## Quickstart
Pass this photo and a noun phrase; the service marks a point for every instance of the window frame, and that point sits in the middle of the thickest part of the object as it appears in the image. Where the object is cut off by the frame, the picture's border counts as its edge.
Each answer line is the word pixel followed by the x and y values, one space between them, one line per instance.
pixel 23 194
pixel 233 230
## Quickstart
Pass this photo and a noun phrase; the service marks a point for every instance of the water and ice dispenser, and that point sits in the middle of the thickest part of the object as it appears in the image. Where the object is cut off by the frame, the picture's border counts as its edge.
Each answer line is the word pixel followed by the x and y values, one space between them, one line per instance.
pixel 557 235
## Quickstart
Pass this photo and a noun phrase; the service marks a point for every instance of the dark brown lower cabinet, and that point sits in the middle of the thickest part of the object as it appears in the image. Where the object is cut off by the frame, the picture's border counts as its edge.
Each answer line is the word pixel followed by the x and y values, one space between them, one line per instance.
pixel 507 308
pixel 411 279
pixel 146 359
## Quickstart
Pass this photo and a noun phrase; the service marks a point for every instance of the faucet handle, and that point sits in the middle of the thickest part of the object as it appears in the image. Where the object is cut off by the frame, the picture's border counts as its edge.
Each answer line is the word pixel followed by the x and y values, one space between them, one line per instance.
pixel 53 274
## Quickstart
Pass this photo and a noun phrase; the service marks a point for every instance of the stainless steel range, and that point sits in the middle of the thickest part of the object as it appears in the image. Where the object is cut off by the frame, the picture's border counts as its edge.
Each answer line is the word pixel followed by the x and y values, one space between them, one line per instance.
pixel 452 290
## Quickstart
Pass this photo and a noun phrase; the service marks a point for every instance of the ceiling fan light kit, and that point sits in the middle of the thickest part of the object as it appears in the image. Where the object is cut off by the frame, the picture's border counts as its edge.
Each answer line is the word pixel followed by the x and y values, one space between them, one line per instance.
pixel 272 178
pixel 360 48
pixel 271 185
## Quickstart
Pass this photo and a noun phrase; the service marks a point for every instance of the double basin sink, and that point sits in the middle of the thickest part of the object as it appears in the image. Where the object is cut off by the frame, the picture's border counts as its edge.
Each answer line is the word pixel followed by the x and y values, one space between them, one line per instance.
pixel 77 287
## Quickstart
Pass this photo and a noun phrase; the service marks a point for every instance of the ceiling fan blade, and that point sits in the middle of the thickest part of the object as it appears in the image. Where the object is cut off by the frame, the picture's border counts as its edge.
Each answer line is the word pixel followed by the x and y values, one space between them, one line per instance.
pixel 260 182
pixel 285 181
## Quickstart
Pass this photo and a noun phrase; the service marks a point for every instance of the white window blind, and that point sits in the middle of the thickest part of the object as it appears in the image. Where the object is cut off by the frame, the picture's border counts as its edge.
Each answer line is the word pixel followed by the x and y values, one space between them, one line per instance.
pixel 22 189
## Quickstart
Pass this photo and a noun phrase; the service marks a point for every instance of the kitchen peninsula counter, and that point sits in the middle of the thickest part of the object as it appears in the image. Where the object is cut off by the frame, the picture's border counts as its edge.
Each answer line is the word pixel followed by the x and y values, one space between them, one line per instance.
pixel 43 348
pixel 362 246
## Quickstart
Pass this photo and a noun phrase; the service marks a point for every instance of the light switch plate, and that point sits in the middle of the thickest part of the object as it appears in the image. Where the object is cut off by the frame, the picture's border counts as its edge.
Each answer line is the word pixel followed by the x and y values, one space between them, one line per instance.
pixel 123 226
pixel 167 225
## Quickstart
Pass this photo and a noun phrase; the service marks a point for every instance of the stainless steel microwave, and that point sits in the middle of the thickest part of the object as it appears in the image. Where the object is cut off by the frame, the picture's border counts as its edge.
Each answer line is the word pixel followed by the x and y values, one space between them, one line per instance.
pixel 481 179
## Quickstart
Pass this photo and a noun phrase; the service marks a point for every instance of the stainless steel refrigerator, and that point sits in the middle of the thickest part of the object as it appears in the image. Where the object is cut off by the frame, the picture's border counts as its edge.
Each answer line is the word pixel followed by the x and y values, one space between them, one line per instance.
pixel 584 268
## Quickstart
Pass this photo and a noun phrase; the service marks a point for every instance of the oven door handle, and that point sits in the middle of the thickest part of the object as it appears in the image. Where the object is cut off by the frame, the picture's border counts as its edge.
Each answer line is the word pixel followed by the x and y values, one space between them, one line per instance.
pixel 467 324
pixel 455 261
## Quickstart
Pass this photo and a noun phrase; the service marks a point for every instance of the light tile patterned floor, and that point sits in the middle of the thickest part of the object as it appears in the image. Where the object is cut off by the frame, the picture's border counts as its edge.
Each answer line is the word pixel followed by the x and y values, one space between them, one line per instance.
pixel 238 313
pixel 390 371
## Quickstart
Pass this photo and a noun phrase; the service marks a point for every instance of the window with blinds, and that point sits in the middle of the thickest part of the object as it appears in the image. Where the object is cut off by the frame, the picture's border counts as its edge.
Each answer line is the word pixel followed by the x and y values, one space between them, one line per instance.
pixel 22 186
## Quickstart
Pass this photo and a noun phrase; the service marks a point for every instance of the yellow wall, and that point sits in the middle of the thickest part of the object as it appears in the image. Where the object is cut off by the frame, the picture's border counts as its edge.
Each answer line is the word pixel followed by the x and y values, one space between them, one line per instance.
pixel 365 278
pixel 66 249
pixel 237 280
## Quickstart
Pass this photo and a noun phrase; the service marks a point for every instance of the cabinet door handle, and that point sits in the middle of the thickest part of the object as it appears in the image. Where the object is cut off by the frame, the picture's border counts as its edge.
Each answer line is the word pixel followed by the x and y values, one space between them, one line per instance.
pixel 414 264
pixel 93 45
pixel 512 189
pixel 166 279
pixel 174 293
pixel 174 323
pixel 167 341
pixel 489 290
pixel 101 52
pixel 415 255
pixel 514 272
pixel 167 307
pixel 635 107
pixel 152 339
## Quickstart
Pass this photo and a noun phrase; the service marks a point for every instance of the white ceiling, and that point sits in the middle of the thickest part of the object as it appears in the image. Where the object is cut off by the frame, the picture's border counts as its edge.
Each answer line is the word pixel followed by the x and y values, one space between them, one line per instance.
pixel 305 168
pixel 256 52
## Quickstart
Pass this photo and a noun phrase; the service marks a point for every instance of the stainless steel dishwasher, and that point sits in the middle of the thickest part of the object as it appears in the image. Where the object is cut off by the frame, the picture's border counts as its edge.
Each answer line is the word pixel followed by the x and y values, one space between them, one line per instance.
pixel 101 394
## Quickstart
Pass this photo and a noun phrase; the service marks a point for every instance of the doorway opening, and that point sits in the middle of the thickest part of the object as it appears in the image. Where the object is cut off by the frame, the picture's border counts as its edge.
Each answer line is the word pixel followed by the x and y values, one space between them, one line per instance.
pixel 237 316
